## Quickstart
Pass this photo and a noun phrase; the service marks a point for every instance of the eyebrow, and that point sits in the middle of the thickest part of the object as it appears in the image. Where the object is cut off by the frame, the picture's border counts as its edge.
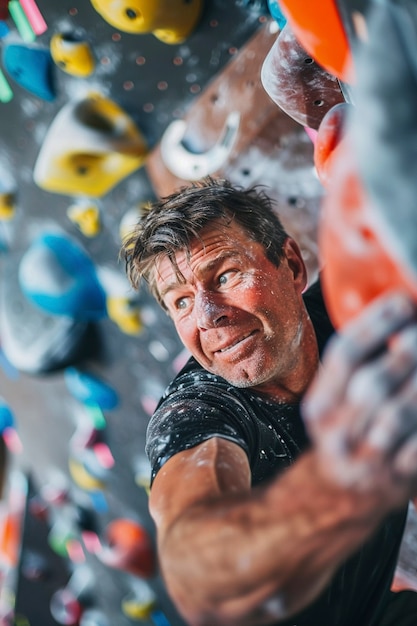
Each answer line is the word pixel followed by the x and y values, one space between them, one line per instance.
pixel 205 269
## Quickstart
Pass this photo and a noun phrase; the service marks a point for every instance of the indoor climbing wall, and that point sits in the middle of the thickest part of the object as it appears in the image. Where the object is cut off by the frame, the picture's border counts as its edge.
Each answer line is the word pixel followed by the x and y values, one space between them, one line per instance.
pixel 100 112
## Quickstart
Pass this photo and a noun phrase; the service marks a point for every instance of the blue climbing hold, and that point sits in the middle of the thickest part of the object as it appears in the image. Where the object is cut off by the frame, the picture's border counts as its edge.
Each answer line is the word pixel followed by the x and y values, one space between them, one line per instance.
pixel 57 275
pixel 89 389
pixel 32 68
pixel 6 416
pixel 4 29
pixel 276 13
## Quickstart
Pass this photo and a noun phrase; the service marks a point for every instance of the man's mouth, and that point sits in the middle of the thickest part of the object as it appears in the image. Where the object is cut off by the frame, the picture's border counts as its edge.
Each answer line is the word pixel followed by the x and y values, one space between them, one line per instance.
pixel 230 346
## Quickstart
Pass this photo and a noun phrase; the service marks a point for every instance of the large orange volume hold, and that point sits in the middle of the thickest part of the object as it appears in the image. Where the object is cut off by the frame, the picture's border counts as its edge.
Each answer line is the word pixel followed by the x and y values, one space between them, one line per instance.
pixel 359 253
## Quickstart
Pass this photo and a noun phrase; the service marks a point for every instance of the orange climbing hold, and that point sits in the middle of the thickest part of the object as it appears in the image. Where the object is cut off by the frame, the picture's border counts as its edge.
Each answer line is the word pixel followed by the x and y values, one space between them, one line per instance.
pixel 319 29
pixel 328 138
pixel 129 548
pixel 359 253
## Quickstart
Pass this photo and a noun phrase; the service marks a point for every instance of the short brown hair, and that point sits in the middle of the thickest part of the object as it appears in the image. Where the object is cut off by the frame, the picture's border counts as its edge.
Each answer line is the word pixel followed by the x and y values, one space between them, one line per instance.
pixel 172 223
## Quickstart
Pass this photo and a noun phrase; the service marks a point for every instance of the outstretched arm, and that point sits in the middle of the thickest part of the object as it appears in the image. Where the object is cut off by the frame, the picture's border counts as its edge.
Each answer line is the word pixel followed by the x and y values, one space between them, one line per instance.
pixel 234 555
pixel 230 555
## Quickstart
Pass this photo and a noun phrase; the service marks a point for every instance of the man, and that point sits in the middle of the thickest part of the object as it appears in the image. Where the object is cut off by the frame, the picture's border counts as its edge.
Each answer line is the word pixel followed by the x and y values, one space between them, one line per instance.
pixel 259 521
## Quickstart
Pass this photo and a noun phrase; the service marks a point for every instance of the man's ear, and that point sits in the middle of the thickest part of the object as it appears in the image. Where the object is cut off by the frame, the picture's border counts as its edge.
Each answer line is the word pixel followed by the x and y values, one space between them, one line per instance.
pixel 295 262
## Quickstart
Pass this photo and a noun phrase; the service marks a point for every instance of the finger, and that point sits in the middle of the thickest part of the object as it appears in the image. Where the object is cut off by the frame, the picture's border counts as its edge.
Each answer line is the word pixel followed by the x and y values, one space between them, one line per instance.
pixel 396 424
pixel 376 383
pixel 360 340
pixel 405 463
pixel 369 390
pixel 367 334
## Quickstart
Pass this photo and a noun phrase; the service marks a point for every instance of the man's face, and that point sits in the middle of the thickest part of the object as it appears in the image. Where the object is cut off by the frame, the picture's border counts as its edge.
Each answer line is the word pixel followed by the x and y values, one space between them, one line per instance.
pixel 238 314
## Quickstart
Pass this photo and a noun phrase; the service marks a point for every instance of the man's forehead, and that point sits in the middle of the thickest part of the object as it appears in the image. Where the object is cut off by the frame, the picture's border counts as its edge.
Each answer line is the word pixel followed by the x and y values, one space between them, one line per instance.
pixel 214 244
pixel 168 269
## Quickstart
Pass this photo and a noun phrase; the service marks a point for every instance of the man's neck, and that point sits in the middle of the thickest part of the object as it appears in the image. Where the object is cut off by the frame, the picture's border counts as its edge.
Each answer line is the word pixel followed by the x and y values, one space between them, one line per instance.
pixel 293 387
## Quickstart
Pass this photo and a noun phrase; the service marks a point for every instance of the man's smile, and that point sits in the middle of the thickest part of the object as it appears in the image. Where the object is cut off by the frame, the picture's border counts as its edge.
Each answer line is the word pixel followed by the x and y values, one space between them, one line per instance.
pixel 235 342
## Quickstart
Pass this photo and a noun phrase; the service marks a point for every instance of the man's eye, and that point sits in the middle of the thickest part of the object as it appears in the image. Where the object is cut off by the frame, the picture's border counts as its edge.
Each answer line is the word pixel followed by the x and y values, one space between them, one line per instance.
pixel 226 276
pixel 181 304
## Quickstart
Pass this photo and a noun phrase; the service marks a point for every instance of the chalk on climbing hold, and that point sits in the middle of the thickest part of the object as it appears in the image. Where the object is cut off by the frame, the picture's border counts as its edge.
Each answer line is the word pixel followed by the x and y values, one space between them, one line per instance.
pixel 59 277
pixel 91 145
pixel 35 341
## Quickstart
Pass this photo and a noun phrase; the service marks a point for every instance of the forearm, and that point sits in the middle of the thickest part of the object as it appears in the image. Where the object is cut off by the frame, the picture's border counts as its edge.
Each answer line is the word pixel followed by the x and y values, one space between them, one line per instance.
pixel 283 542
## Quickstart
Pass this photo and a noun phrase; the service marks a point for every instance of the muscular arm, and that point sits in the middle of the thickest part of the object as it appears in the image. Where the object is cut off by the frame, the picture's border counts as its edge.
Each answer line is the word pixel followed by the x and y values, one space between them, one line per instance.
pixel 233 555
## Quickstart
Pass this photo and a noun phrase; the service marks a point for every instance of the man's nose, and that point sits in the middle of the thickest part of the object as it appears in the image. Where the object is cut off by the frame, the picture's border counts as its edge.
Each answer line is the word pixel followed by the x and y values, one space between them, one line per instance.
pixel 210 310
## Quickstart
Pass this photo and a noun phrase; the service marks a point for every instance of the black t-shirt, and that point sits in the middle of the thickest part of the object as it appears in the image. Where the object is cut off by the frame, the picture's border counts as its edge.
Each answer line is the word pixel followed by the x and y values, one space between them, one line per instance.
pixel 198 405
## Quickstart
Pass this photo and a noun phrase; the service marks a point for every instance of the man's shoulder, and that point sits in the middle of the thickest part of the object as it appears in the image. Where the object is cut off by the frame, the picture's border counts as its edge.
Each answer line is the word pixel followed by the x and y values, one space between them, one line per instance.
pixel 193 375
